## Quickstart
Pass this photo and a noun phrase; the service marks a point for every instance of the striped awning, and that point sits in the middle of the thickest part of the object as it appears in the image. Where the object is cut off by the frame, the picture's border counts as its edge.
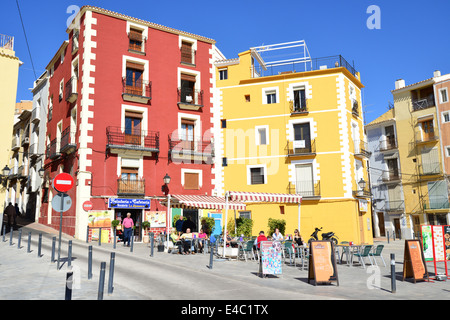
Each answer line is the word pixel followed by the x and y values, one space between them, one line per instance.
pixel 203 202
pixel 264 197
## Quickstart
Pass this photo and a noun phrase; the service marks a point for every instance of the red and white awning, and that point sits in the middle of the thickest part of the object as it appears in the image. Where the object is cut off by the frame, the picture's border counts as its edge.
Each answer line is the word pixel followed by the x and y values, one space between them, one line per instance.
pixel 264 197
pixel 204 202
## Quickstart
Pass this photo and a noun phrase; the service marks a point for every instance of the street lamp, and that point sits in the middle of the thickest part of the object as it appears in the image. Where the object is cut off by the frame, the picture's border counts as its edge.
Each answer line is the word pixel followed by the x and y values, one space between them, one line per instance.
pixel 6 170
pixel 166 179
pixel 362 184
pixel 41 172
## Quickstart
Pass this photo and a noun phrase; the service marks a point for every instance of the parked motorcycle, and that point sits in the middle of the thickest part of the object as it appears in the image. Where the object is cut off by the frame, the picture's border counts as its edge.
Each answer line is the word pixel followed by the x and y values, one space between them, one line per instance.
pixel 325 236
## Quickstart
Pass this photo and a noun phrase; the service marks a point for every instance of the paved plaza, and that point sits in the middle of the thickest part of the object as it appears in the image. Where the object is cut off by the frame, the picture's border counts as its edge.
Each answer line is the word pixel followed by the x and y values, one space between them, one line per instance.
pixel 138 276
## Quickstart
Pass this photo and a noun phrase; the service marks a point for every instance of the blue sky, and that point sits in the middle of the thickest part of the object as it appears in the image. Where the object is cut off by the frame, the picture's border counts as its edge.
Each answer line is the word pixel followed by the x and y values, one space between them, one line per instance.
pixel 413 40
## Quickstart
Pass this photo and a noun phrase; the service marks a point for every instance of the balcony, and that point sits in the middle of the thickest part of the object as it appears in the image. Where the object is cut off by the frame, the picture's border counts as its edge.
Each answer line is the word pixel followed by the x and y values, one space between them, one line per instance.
pixel 139 91
pixel 36 116
pixel 355 108
pixel 421 104
pixel 388 144
pixel 430 170
pixel 362 193
pixel 422 138
pixel 298 106
pixel 71 93
pixel 394 207
pixel 138 142
pixel 188 55
pixel 436 203
pixel 308 189
pixel 15 143
pixel 391 176
pixel 301 148
pixel 191 150
pixel 52 151
pixel 33 151
pixel 25 140
pixel 361 149
pixel 131 187
pixel 68 144
pixel 190 99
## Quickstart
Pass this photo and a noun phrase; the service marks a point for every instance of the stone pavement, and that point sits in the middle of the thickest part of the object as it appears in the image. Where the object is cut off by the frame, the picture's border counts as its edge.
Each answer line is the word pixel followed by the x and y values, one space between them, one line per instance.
pixel 25 276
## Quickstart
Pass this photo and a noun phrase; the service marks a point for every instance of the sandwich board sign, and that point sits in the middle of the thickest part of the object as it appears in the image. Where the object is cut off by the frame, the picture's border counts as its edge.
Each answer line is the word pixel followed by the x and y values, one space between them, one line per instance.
pixel 322 264
pixel 414 265
pixel 270 262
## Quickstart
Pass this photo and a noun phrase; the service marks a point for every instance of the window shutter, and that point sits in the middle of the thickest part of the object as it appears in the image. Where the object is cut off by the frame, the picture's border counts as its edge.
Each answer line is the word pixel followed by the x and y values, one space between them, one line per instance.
pixel 191 181
pixel 134 65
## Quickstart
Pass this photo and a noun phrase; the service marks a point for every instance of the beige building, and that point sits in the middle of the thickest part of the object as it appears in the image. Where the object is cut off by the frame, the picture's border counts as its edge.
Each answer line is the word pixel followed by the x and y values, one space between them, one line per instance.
pixel 9 75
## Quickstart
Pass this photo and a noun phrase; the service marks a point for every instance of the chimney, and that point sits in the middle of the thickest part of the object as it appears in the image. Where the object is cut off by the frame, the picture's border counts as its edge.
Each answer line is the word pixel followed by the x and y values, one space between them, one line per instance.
pixel 436 73
pixel 400 83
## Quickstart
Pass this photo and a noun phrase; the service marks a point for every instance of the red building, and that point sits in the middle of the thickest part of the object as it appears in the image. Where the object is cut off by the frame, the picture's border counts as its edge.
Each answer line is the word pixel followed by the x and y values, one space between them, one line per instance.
pixel 130 101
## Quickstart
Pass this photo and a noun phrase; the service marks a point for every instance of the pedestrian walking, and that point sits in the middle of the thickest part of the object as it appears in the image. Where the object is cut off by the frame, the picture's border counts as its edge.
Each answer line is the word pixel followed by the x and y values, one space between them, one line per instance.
pixel 10 211
pixel 128 225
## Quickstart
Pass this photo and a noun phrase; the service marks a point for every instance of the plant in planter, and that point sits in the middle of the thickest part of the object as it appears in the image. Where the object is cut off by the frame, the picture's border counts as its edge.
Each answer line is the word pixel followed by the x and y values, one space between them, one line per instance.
pixel 115 223
pixel 146 226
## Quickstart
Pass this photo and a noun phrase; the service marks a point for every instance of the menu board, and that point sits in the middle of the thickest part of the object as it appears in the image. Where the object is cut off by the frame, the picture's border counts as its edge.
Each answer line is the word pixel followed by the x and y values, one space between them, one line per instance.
pixel 414 265
pixel 322 266
pixel 427 242
pixel 270 258
pixel 438 243
pixel 447 242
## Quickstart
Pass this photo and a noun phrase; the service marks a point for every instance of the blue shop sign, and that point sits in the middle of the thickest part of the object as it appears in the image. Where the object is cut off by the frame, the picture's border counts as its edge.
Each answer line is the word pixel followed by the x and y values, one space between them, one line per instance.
pixel 128 203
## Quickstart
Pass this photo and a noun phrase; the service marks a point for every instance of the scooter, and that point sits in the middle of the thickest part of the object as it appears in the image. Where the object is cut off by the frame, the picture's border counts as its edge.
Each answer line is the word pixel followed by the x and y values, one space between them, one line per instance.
pixel 325 236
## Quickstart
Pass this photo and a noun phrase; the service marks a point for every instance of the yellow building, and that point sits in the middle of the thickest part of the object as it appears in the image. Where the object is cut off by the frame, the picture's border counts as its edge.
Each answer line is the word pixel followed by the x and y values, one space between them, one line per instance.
pixel 294 126
pixel 423 176
pixel 9 66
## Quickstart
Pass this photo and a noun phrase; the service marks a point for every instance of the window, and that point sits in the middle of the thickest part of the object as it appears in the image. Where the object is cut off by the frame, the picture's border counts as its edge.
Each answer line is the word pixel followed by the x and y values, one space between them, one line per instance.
pixel 187 134
pixel 61 90
pixel 191 181
pixel 50 108
pixel 223 74
pixel 443 96
pixel 247 98
pixel 271 97
pixel 129 174
pixel 136 40
pixel 245 214
pixel 447 151
pixel 257 175
pixel 261 135
pixel 134 78
pixel 133 122
pixel 187 52
pixel 299 100
pixel 446 117
pixel 187 90
pixel 223 124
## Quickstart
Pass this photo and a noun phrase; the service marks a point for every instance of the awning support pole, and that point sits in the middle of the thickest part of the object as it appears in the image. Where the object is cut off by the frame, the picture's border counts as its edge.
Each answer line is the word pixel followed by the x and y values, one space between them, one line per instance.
pixel 225 222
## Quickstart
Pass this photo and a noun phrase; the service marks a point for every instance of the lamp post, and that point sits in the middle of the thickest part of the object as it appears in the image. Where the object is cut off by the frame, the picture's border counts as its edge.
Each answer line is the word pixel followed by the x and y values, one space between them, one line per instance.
pixel 165 189
pixel 3 177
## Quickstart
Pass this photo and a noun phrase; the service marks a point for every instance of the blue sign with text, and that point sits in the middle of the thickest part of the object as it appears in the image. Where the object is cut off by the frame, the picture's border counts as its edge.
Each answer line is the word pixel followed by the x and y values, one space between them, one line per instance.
pixel 115 203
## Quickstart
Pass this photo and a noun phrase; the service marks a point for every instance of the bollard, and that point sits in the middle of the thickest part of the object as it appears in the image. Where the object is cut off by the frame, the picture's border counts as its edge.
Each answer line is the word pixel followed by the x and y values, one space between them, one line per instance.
pixel 69 283
pixel 19 240
pixel 393 284
pixel 101 282
pixel 100 236
pixel 90 263
pixel 114 230
pixel 52 259
pixel 388 237
pixel 132 241
pixel 11 236
pixel 152 242
pixel 111 273
pixel 39 245
pixel 69 258
pixel 211 255
pixel 87 235
pixel 4 233
pixel 29 243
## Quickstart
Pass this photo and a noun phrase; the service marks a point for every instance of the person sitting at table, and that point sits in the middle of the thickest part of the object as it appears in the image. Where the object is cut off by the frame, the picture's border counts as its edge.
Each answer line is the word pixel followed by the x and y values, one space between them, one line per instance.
pixel 176 240
pixel 277 236
pixel 187 241
pixel 298 238
pixel 230 241
pixel 260 238
pixel 202 236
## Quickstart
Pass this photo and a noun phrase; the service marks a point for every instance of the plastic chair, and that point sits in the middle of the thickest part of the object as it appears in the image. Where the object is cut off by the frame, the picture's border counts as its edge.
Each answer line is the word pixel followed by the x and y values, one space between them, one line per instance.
pixel 377 253
pixel 288 249
pixel 365 253
pixel 246 248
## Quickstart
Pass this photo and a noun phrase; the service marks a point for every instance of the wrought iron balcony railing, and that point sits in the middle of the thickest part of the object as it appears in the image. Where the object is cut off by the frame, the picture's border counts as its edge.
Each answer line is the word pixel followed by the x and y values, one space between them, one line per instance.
pixel 130 187
pixel 305 188
pixel 68 144
pixel 129 139
pixel 71 92
pixel 425 103
pixel 361 148
pixel 188 96
pixel 191 148
pixel 388 144
pixel 301 148
pixel 136 90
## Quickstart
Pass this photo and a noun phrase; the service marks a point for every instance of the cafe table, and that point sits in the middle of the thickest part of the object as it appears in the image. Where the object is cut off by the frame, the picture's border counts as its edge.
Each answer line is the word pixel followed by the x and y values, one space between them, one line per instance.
pixel 349 250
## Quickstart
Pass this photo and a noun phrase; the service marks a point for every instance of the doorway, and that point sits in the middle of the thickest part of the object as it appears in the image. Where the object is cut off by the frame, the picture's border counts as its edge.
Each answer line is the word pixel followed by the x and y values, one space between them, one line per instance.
pixel 191 214
pixel 380 216
pixel 136 215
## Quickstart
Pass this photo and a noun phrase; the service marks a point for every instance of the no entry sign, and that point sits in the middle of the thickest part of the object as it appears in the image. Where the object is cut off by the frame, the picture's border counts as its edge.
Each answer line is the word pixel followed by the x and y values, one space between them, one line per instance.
pixel 63 182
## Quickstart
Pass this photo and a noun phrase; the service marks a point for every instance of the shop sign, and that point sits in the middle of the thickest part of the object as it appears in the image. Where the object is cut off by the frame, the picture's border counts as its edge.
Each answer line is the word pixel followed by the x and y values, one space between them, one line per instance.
pixel 120 203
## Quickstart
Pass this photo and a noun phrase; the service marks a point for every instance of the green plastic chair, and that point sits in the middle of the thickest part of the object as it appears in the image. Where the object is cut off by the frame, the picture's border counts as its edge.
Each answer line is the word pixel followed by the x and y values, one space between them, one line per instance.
pixel 247 248
pixel 377 253
pixel 288 250
pixel 364 254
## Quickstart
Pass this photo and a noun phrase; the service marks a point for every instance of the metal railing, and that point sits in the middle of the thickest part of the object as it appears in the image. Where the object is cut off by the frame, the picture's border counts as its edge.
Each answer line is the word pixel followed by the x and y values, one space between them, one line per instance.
pixel 430 168
pixel 139 88
pixel 298 106
pixel 436 203
pixel 53 149
pixel 425 103
pixel 361 148
pixel 134 139
pixel 301 147
pixel 6 42
pixel 35 115
pixel 305 188
pixel 71 93
pixel 182 146
pixel 362 192
pixel 68 140
pixel 130 186
pixel 190 96
pixel 394 206
pixel 388 144
pixel 391 176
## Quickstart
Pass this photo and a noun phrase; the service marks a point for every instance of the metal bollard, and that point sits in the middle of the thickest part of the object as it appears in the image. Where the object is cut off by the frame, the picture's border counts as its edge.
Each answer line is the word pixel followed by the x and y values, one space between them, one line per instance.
pixel 20 239
pixel 100 236
pixel 69 258
pixel 69 283
pixel 11 236
pixel 111 273
pixel 115 237
pixel 101 282
pixel 39 245
pixel 90 263
pixel 29 243
pixel 53 249
pixel 211 255
pixel 4 233
pixel 393 284
pixel 152 243
pixel 87 235
pixel 132 241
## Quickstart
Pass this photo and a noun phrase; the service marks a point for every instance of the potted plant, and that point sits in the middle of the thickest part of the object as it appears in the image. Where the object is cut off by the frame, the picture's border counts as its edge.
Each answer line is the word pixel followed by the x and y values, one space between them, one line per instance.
pixel 145 226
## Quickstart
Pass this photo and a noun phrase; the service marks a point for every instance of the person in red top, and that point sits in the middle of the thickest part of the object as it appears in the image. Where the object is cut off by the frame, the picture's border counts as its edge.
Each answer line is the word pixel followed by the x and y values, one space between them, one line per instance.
pixel 128 224
pixel 260 238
